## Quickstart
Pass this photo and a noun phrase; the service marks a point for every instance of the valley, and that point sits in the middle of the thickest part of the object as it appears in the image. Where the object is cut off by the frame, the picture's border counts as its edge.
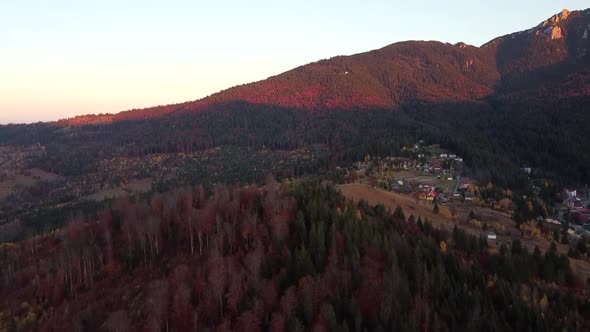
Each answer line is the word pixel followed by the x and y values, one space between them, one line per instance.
pixel 419 186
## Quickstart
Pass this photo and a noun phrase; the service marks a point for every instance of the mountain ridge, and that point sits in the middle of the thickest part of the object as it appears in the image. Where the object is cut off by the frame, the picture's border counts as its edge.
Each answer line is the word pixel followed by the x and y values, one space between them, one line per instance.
pixel 407 72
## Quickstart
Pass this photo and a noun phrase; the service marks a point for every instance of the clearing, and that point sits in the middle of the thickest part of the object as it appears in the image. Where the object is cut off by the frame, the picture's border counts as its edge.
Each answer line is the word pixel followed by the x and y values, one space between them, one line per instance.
pixel 137 186
pixel 27 179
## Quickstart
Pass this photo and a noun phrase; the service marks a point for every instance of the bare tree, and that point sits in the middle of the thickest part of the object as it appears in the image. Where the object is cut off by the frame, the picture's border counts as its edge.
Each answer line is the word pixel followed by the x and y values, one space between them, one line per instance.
pixel 157 304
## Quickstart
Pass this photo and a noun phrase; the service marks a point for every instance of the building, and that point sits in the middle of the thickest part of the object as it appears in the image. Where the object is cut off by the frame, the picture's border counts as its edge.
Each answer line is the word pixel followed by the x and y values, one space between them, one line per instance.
pixel 428 194
pixel 464 183
pixel 570 194
pixel 574 203
pixel 491 236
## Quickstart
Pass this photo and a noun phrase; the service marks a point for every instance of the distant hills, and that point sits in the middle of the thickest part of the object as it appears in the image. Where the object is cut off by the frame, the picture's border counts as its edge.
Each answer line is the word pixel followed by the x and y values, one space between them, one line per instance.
pixel 549 60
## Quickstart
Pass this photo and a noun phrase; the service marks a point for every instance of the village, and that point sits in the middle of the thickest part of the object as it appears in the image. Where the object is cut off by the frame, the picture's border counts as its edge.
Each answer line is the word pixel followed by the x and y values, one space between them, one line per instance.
pixel 431 172
pixel 434 176
pixel 574 212
pixel 425 176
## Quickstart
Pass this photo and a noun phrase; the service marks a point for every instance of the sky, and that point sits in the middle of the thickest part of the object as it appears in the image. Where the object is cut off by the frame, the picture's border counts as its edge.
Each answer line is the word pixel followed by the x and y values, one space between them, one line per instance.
pixel 63 58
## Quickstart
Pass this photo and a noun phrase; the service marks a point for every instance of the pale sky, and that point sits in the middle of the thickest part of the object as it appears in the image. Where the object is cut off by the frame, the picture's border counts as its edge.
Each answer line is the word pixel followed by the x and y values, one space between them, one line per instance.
pixel 63 58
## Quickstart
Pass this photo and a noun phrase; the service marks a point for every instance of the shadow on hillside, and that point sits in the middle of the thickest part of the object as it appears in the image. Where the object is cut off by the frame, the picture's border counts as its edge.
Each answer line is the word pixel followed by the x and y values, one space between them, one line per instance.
pixel 527 62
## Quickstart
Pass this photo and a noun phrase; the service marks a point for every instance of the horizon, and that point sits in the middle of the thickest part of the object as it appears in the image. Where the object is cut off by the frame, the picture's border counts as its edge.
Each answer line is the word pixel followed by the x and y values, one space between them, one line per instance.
pixel 67 60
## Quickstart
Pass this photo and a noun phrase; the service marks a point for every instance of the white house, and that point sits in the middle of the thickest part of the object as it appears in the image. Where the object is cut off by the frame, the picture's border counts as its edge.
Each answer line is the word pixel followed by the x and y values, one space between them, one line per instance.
pixel 570 193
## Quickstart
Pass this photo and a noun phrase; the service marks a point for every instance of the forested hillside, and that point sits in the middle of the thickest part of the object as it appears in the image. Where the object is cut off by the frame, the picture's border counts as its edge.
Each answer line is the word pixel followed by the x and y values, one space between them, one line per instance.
pixel 281 258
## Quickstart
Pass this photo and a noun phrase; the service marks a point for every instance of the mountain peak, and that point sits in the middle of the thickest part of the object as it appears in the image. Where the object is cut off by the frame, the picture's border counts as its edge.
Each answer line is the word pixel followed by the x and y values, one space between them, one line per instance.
pixel 551 26
pixel 556 19
pixel 563 15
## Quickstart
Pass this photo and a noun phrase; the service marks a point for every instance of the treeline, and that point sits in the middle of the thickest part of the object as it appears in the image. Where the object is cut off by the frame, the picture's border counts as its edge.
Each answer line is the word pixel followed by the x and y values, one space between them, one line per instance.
pixel 496 139
pixel 282 258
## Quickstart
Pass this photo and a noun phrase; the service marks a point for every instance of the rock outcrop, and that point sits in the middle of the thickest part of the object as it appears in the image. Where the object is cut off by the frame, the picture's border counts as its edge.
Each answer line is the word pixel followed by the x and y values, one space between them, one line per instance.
pixel 556 19
pixel 554 32
pixel 551 27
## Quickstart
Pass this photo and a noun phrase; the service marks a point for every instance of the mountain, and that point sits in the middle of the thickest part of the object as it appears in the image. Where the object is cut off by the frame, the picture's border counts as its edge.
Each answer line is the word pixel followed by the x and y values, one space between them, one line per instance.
pixel 520 99
pixel 550 59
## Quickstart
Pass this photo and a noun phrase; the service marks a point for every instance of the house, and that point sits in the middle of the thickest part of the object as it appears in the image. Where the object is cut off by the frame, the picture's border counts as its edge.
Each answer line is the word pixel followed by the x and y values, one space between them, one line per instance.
pixel 464 183
pixel 437 167
pixel 444 155
pixel 491 236
pixel 428 195
pixel 450 178
pixel 570 194
pixel 527 170
pixel 469 196
pixel 452 156
pixel 460 160
pixel 400 182
pixel 574 203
